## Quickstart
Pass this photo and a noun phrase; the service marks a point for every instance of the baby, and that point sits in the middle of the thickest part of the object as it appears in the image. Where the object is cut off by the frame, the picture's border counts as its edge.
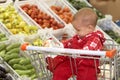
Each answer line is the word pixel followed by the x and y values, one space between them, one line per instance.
pixel 86 38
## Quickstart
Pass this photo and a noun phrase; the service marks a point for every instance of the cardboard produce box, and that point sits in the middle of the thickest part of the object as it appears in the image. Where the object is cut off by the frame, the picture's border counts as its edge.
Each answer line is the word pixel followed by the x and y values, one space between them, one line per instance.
pixel 108 7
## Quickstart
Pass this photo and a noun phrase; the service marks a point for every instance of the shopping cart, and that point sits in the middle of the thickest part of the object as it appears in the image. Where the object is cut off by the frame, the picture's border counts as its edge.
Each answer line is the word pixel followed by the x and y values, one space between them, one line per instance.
pixel 108 60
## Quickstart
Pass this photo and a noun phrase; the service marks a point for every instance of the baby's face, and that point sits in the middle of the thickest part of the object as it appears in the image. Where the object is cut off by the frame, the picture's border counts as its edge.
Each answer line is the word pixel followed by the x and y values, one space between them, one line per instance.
pixel 81 29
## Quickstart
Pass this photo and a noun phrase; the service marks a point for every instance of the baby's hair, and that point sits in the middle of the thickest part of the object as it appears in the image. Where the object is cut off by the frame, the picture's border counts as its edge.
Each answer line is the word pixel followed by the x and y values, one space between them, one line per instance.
pixel 88 16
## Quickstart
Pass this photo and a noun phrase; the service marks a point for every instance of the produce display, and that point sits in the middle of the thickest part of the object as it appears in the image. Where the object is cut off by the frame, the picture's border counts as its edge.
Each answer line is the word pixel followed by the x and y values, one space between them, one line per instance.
pixel 38 42
pixel 80 4
pixel 40 17
pixel 3 37
pixel 64 13
pixel 14 22
pixel 4 74
pixel 113 35
pixel 22 65
pixel 10 53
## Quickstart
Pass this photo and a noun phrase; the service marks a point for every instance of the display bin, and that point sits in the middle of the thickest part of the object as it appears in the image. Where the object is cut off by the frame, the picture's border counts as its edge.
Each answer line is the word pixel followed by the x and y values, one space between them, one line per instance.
pixel 25 22
pixel 18 5
pixel 47 53
pixel 45 38
pixel 61 5
pixel 12 72
pixel 22 55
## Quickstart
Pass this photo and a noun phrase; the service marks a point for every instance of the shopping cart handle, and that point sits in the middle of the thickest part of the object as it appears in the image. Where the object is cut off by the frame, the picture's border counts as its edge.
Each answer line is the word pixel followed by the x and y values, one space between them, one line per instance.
pixel 111 53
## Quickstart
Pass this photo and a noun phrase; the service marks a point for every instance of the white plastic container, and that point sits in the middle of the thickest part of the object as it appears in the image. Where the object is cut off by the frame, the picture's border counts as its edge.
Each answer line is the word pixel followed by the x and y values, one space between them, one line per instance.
pixel 18 5
pixel 2 25
pixel 48 3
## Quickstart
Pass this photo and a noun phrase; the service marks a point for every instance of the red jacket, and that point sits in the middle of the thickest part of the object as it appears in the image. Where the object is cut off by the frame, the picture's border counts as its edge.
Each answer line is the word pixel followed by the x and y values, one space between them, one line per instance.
pixel 92 41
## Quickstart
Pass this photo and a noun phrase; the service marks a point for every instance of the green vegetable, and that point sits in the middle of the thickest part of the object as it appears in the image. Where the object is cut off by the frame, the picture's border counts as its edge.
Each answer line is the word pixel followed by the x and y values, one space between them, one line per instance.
pixel 113 35
pixel 3 39
pixel 29 66
pixel 19 67
pixel 25 61
pixel 2 35
pixel 2 53
pixel 14 61
pixel 14 50
pixel 33 76
pixel 25 72
pixel 2 46
pixel 9 57
pixel 11 46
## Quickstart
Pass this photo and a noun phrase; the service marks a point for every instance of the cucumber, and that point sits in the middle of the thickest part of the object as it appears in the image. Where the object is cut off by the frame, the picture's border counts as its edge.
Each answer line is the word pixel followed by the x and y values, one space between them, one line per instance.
pixel 2 46
pixel 3 39
pixel 2 35
pixel 2 53
pixel 11 46
pixel 19 67
pixel 9 57
pixel 29 66
pixel 14 61
pixel 33 76
pixel 25 61
pixel 24 72
pixel 14 50
pixel 12 53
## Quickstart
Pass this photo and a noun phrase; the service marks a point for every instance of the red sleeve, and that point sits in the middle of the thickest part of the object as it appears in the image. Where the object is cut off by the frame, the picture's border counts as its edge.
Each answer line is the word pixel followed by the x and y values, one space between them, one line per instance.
pixel 94 43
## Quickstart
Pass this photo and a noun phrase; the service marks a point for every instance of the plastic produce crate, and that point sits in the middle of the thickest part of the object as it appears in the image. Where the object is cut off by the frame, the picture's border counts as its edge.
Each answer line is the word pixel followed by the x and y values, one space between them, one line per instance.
pixel 14 67
pixel 13 23
pixel 43 38
pixel 41 8
pixel 60 9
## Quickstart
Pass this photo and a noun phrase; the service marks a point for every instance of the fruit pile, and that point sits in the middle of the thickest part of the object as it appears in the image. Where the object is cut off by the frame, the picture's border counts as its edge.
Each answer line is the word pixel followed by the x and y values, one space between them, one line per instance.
pixel 14 22
pixel 37 42
pixel 22 65
pixel 80 4
pixel 40 17
pixel 3 37
pixel 4 75
pixel 64 13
